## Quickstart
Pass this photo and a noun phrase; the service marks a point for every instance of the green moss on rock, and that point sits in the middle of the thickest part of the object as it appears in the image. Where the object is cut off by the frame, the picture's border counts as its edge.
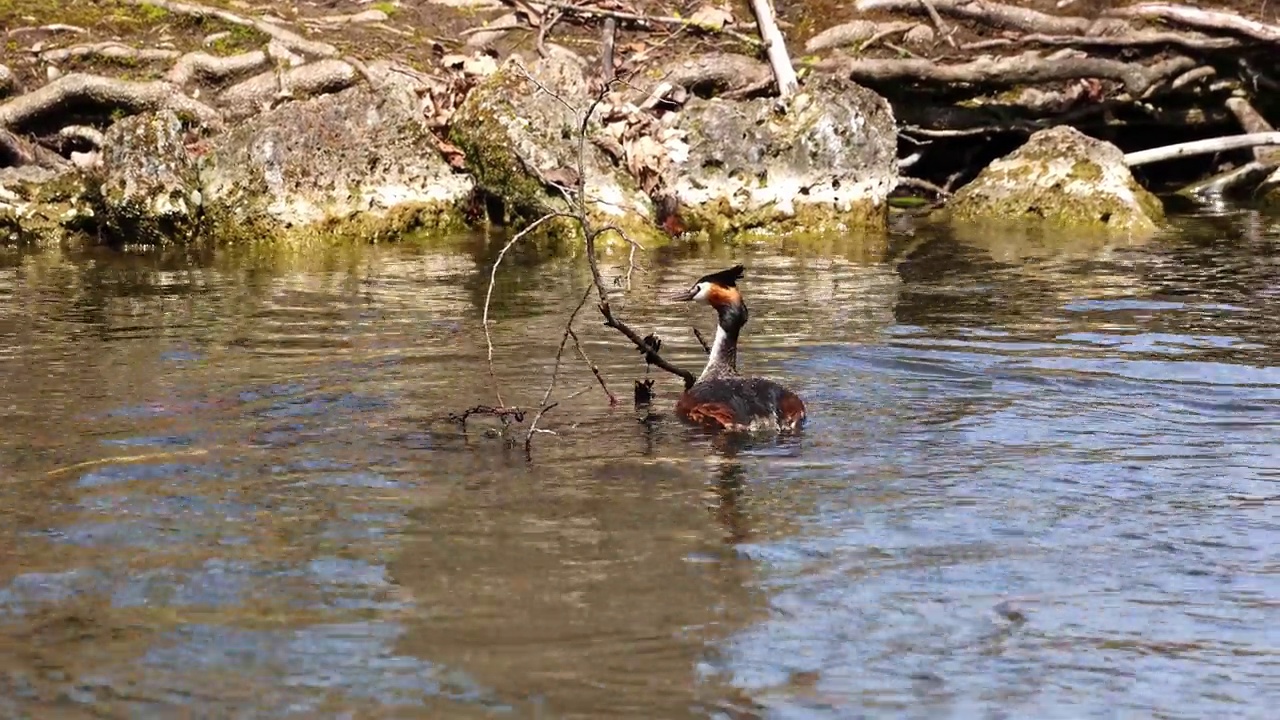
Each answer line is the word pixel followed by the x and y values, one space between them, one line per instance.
pixel 1060 178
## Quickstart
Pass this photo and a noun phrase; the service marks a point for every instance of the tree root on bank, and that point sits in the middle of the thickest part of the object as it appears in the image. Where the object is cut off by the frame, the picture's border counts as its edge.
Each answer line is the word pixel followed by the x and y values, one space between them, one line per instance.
pixel 108 51
pixel 1025 68
pixel 1199 18
pixel 216 69
pixel 286 37
pixel 994 14
pixel 128 95
pixel 82 133
pixel 266 89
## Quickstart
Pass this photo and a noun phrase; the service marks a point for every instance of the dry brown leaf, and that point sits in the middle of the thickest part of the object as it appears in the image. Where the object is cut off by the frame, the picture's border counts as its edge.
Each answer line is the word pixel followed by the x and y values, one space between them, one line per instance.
pixel 712 17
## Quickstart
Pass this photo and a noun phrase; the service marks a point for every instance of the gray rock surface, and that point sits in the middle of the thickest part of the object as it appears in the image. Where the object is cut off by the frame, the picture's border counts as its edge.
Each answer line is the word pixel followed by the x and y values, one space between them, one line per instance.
pixel 828 162
pixel 148 189
pixel 356 152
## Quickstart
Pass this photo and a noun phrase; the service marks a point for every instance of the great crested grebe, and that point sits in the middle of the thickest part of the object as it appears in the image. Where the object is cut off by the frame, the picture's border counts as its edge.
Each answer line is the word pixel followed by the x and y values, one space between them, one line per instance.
pixel 721 397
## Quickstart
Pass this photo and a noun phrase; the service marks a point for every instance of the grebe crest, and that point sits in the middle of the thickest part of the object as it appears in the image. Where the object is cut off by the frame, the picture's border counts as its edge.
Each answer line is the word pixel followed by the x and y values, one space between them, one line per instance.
pixel 721 397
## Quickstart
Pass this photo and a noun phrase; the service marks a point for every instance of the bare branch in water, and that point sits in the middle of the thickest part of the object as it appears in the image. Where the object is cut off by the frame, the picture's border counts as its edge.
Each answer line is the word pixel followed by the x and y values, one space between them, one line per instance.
pixel 578 211
pixel 506 414
pixel 702 341
pixel 488 296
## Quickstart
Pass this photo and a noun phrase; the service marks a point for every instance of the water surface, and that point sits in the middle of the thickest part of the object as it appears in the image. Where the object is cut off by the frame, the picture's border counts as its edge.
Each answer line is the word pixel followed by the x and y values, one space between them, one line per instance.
pixel 1039 480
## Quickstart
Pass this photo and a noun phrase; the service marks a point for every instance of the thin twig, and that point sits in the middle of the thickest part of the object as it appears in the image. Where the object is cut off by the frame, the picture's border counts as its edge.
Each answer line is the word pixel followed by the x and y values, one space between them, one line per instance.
pixel 911 182
pixel 493 275
pixel 533 426
pixel 650 19
pixel 701 341
pixel 595 370
pixel 937 22
pixel 545 30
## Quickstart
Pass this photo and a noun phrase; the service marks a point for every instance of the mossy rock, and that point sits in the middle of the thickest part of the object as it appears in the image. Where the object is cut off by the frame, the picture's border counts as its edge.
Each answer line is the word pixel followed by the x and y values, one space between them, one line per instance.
pixel 1061 178
pixel 522 126
pixel 146 190
pixel 42 207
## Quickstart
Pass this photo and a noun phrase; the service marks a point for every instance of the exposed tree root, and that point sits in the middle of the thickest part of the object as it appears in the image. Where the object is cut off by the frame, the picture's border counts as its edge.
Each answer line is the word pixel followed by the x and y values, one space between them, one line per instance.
pixel 716 73
pixel 82 133
pixel 1220 20
pixel 216 69
pixel 266 89
pixel 108 51
pixel 126 95
pixel 994 14
pixel 51 28
pixel 1139 38
pixel 287 37
pixel 1006 71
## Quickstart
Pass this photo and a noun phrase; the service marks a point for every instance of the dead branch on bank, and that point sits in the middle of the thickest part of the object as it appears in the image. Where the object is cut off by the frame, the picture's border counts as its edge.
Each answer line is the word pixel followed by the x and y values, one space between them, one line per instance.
pixel 1201 147
pixel 776 48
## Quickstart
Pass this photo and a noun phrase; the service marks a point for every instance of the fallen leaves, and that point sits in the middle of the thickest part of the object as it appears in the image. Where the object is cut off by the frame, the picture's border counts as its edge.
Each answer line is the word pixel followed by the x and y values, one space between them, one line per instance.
pixel 712 17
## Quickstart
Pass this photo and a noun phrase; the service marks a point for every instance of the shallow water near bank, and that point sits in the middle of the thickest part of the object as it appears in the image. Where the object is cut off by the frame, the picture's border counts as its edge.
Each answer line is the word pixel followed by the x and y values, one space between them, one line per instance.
pixel 1038 480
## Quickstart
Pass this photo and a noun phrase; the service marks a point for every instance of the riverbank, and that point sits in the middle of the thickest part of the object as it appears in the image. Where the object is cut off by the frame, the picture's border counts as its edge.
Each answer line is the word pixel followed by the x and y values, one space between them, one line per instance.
pixel 148 121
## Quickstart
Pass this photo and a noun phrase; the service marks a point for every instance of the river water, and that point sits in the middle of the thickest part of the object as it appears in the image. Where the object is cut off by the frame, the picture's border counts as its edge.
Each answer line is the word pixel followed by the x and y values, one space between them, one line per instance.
pixel 1039 480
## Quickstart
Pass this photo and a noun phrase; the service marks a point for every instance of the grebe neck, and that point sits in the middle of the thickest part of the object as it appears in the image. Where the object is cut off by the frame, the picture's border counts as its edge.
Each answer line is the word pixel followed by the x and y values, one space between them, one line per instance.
pixel 723 360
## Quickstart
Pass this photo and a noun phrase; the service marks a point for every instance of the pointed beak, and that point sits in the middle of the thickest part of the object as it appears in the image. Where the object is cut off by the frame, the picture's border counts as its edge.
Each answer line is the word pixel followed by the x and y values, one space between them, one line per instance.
pixel 685 296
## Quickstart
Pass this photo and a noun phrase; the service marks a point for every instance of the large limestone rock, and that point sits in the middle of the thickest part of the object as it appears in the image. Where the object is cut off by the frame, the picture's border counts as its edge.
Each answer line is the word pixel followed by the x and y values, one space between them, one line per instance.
pixel 147 185
pixel 40 206
pixel 520 130
pixel 1061 178
pixel 827 162
pixel 357 162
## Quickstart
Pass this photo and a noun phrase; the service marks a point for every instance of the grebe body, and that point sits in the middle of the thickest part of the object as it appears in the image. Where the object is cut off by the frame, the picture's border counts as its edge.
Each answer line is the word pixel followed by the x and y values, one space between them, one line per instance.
pixel 722 398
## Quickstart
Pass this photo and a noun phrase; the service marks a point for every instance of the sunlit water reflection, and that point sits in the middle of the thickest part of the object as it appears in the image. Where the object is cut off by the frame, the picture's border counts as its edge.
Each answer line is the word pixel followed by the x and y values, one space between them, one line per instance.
pixel 1038 481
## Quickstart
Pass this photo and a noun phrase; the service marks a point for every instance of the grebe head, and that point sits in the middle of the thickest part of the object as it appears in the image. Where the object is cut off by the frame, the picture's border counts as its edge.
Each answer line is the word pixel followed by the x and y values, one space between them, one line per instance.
pixel 719 289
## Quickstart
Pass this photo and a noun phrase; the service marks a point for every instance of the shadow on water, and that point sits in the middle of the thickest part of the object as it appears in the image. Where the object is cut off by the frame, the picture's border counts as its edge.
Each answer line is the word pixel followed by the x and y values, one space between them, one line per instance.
pixel 1039 479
